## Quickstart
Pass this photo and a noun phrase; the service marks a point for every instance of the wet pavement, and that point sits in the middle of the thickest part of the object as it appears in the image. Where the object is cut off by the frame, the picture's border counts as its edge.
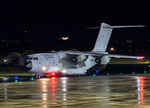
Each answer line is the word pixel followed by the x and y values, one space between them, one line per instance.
pixel 125 91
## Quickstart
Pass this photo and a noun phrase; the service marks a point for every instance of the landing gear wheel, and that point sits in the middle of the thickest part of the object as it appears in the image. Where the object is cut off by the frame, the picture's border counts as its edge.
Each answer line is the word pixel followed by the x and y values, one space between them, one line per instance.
pixel 37 76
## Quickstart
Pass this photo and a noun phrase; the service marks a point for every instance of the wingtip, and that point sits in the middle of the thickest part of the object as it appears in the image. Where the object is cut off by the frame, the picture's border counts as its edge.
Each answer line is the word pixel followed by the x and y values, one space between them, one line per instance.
pixel 141 57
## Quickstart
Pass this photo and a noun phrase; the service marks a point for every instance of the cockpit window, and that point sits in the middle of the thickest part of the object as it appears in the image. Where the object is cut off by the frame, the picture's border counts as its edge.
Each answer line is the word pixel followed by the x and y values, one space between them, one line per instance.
pixel 35 58
pixel 32 58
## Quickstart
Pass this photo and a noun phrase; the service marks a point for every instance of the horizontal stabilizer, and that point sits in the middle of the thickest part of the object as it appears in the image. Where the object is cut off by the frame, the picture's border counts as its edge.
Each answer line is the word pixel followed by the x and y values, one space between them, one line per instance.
pixel 131 26
pixel 112 27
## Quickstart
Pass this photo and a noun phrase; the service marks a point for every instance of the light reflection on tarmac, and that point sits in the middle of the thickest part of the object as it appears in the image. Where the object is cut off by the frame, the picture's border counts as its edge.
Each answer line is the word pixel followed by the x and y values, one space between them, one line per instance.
pixel 78 92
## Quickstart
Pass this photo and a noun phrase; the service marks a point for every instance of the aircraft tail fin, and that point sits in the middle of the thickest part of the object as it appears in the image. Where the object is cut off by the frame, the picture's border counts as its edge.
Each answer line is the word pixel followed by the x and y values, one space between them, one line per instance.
pixel 104 35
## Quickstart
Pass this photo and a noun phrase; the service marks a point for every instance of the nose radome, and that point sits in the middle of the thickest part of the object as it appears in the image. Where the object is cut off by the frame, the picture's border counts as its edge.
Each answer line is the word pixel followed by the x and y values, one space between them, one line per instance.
pixel 29 65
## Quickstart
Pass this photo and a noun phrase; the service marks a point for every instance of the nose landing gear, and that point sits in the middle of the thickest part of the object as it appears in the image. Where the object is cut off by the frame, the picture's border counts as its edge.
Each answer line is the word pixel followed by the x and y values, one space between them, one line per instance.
pixel 37 76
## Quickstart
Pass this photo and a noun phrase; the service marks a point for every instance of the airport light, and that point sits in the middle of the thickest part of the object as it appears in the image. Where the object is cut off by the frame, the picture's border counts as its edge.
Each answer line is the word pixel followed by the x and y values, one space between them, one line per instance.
pixel 31 78
pixel 65 38
pixel 112 49
pixel 16 81
pixel 48 75
pixel 97 71
pixel 5 60
pixel 41 76
pixel 15 77
pixel 145 72
pixel 94 74
pixel 53 78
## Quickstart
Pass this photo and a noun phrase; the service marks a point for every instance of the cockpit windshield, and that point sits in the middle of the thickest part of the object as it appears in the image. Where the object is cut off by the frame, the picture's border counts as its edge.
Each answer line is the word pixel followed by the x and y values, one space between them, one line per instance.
pixel 32 58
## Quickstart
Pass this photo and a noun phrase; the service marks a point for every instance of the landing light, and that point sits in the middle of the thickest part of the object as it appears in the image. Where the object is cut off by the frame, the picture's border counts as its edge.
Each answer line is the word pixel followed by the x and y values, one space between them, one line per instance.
pixel 44 68
pixel 64 71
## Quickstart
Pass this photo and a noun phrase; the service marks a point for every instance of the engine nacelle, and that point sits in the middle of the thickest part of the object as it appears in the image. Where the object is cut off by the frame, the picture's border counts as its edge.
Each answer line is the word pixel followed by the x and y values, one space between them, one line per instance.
pixel 81 58
pixel 98 60
pixel 102 60
pixel 105 59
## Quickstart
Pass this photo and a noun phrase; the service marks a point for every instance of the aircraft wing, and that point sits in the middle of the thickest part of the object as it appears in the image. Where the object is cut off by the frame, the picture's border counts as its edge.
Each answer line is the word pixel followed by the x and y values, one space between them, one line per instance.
pixel 87 53
pixel 125 56
pixel 91 53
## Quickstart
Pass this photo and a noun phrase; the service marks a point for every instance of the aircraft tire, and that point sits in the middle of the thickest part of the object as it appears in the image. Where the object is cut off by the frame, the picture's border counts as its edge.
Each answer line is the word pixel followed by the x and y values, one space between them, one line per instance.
pixel 37 76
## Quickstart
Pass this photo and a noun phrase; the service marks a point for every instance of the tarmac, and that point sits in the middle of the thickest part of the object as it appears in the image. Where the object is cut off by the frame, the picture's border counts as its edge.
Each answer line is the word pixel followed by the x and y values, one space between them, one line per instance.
pixel 116 91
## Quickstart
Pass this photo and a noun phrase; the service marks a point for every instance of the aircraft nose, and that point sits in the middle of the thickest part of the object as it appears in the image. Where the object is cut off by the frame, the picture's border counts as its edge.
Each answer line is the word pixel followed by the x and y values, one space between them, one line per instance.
pixel 29 65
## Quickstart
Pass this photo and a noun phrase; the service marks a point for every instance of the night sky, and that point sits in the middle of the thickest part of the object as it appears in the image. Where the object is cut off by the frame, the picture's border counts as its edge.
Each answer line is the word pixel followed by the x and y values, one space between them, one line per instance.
pixel 48 21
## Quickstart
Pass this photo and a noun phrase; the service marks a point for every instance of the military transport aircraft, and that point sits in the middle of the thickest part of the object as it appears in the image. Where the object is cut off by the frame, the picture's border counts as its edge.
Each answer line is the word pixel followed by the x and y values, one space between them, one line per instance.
pixel 75 62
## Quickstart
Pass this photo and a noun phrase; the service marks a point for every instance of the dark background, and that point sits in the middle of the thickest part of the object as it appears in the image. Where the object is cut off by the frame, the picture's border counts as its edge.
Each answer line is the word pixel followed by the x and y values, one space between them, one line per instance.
pixel 38 25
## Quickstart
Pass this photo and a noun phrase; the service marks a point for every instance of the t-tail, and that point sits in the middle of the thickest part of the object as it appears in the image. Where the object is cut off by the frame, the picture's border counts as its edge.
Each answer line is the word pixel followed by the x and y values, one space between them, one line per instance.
pixel 104 35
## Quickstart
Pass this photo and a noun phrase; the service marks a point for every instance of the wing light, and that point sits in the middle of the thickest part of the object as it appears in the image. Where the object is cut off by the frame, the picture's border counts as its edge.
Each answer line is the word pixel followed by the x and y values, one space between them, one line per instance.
pixel 141 57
